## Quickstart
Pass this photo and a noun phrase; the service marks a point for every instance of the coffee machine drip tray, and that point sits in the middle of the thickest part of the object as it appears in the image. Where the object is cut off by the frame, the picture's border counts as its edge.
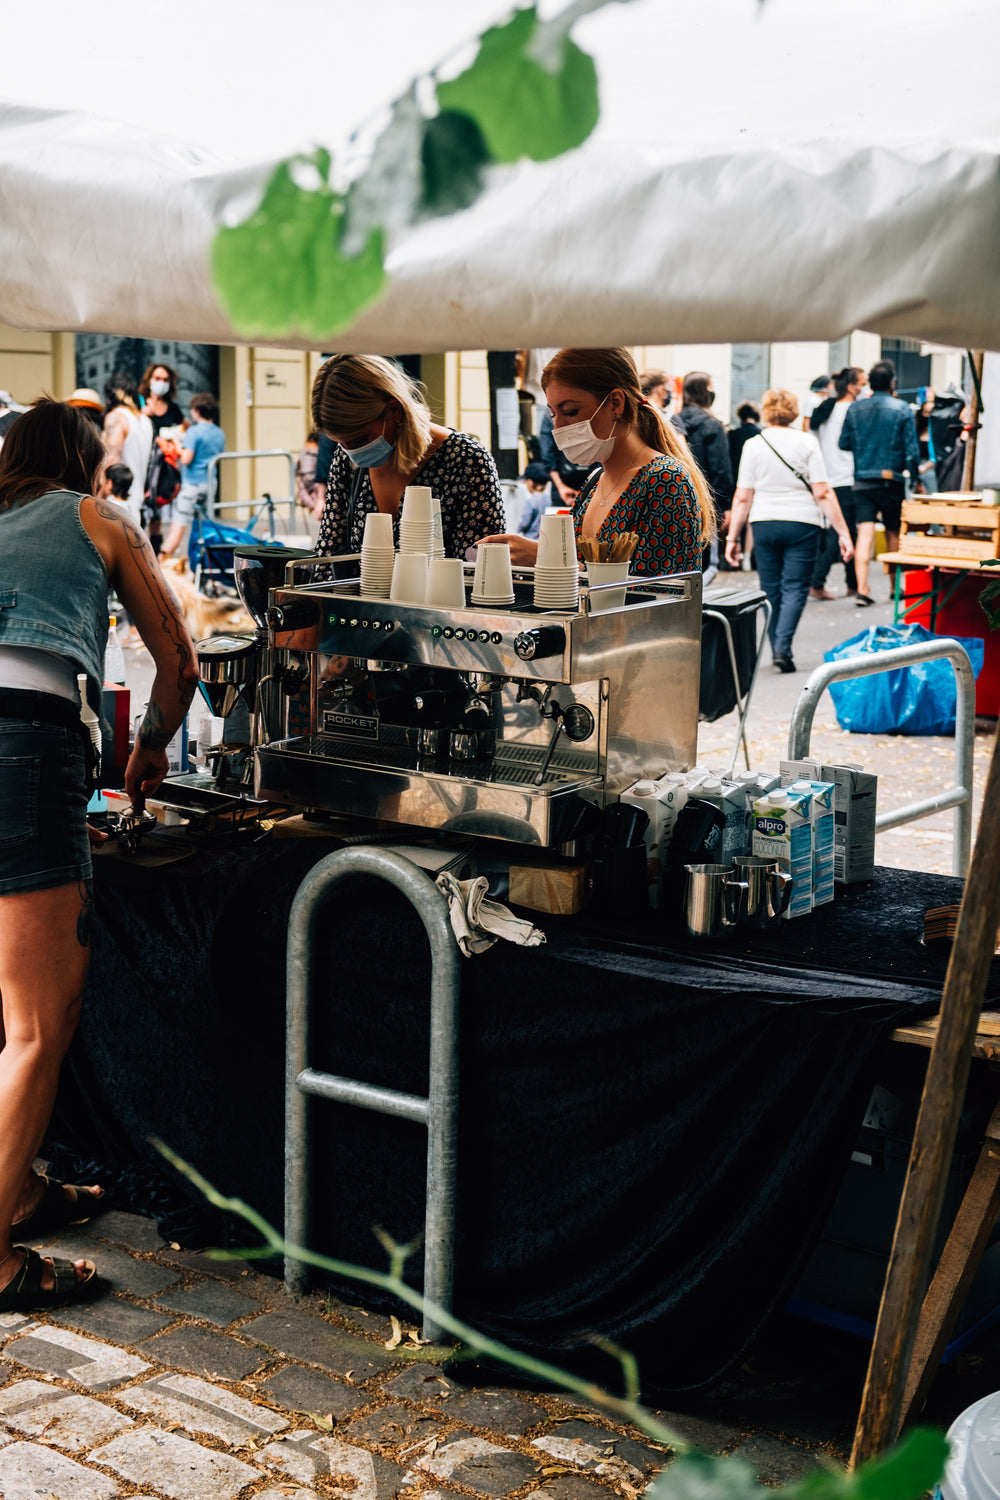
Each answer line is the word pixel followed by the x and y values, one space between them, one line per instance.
pixel 496 797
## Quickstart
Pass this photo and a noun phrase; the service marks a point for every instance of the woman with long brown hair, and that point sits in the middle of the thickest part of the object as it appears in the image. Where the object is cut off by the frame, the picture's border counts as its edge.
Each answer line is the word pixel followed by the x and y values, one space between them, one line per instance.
pixel 648 482
pixel 61 550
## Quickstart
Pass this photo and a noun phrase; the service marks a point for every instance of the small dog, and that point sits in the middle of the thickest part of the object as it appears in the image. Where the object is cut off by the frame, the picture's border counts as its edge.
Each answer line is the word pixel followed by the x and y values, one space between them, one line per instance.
pixel 203 615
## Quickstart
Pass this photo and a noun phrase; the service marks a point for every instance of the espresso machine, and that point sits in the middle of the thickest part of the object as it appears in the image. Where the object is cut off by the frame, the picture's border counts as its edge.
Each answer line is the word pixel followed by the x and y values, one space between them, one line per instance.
pixel 513 723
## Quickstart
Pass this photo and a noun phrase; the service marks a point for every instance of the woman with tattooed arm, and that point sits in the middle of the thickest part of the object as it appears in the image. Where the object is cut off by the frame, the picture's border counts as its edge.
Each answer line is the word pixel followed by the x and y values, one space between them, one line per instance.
pixel 61 550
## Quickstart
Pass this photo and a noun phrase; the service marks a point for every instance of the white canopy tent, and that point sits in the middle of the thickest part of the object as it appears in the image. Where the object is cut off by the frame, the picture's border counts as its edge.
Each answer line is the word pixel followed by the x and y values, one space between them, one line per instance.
pixel 762 170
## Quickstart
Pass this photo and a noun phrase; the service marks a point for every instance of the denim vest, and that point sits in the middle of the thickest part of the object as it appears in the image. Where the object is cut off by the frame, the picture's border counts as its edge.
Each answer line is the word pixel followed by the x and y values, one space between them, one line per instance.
pixel 53 584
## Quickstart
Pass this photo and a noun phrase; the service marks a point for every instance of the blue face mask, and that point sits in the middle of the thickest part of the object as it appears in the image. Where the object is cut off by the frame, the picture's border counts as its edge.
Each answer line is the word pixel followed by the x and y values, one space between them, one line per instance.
pixel 372 454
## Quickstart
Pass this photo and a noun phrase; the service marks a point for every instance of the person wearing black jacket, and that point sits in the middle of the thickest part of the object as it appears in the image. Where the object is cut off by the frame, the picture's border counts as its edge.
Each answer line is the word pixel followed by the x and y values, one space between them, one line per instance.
pixel 708 441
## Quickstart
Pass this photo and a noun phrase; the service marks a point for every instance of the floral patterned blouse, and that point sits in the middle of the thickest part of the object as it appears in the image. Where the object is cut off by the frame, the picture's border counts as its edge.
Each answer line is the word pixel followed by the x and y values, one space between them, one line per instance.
pixel 659 504
pixel 461 474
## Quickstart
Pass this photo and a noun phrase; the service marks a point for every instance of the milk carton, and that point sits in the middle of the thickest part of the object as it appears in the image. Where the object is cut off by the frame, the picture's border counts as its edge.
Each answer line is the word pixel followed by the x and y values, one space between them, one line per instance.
pixel 821 812
pixel 855 794
pixel 731 798
pixel 755 784
pixel 646 794
pixel 782 830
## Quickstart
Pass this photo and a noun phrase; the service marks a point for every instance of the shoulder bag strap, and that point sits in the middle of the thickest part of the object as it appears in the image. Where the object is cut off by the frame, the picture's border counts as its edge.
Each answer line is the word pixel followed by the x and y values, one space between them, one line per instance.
pixel 800 477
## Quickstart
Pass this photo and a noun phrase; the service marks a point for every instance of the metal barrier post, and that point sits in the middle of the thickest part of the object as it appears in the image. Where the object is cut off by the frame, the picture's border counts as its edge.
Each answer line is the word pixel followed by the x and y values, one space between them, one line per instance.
pixel 212 485
pixel 960 796
pixel 439 1111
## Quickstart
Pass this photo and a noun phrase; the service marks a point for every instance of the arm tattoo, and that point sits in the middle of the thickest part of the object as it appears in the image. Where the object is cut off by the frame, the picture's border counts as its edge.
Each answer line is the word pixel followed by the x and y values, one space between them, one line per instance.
pixel 171 621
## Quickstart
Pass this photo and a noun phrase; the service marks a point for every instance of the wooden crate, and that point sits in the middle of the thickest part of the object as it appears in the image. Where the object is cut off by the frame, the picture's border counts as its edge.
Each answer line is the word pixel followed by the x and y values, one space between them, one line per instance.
pixel 971 530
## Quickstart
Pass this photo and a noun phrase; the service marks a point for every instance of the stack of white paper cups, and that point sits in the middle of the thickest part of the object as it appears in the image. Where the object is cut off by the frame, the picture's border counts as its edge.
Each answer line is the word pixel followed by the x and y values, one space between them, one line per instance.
pixel 557 576
pixel 377 556
pixel 416 520
pixel 409 578
pixel 493 584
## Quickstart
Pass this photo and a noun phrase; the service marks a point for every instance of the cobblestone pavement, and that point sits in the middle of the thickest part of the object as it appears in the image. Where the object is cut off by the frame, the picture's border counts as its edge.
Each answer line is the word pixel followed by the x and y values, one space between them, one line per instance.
pixel 193 1379
pixel 909 768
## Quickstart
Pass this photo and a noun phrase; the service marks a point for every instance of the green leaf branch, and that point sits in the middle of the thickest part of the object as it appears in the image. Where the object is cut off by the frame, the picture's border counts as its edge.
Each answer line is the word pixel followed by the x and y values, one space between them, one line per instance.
pixel 907 1472
pixel 310 260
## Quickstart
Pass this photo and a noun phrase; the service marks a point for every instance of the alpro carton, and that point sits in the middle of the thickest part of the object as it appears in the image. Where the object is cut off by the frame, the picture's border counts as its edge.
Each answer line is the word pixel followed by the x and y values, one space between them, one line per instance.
pixel 854 801
pixel 821 812
pixel 782 830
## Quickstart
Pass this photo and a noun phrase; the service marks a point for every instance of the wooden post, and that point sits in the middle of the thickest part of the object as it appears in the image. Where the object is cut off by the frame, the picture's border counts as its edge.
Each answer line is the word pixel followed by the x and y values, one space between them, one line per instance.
pixel 934 1135
pixel 975 407
pixel 956 1270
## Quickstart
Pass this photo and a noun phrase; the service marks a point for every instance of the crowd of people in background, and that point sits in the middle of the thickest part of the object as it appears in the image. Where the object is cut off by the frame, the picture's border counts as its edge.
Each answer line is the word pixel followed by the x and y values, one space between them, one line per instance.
pixel 158 452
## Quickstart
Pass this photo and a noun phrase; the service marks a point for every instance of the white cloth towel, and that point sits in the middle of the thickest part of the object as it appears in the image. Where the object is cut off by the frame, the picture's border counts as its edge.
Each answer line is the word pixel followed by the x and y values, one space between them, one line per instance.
pixel 477 923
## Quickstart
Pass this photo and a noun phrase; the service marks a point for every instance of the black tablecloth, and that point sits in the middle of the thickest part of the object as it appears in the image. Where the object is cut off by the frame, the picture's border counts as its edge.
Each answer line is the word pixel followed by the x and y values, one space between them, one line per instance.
pixel 650 1136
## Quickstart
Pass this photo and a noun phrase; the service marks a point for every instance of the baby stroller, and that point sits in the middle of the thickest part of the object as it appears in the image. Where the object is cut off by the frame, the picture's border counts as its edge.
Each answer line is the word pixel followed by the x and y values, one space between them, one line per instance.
pixel 210 553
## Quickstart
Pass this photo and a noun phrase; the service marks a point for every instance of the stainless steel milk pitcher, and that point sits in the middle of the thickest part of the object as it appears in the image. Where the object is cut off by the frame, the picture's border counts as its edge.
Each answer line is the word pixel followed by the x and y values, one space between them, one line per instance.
pixel 716 898
pixel 769 889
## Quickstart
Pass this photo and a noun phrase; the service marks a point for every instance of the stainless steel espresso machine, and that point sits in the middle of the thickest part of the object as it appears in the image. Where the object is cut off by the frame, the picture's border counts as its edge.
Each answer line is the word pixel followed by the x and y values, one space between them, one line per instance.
pixel 512 723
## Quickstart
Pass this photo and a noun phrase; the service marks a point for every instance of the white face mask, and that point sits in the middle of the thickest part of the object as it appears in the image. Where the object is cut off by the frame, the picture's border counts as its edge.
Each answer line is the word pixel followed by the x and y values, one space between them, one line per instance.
pixel 581 444
pixel 159 387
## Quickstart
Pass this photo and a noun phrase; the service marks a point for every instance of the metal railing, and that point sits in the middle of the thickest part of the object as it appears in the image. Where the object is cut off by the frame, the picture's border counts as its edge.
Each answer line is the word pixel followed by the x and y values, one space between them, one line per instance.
pixel 439 1111
pixel 258 507
pixel 959 796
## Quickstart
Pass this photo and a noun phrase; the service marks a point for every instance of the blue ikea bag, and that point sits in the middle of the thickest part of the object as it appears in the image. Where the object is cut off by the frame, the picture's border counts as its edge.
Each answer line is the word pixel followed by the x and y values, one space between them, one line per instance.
pixel 918 699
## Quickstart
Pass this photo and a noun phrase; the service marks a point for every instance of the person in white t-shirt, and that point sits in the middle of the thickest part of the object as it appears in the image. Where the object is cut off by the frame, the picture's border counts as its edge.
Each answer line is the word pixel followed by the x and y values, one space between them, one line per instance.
pixel 782 489
pixel 827 423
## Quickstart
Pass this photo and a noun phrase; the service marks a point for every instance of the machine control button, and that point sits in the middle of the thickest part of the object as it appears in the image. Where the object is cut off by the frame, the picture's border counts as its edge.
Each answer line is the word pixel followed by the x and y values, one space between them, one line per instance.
pixel 376 624
pixel 447 632
pixel 460 635
pixel 354 623
pixel 496 638
pixel 294 614
pixel 542 640
pixel 389 625
pixel 435 631
pixel 365 624
pixel 484 636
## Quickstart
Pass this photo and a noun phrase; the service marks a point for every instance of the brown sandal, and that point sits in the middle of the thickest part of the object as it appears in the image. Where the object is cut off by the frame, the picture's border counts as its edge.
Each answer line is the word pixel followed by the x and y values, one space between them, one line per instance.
pixel 25 1292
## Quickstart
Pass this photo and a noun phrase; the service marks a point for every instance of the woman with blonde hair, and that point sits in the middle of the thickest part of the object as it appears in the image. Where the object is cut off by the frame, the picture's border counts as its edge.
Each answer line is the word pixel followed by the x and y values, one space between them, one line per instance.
pixel 380 421
pixel 648 482
pixel 782 487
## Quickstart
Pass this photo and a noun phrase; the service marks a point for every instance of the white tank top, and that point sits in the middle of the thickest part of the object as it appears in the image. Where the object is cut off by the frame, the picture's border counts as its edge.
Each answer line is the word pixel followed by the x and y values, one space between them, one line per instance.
pixel 26 667
pixel 137 447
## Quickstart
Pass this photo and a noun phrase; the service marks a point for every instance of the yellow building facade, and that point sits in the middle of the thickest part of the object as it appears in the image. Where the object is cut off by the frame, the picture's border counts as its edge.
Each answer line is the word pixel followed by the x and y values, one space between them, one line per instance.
pixel 264 393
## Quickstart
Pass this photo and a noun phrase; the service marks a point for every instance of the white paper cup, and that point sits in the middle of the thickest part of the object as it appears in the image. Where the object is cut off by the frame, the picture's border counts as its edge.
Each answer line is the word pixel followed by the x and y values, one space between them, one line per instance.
pixel 409 578
pixel 438 525
pixel 556 542
pixel 446 582
pixel 418 503
pixel 378 530
pixel 494 579
pixel 607 572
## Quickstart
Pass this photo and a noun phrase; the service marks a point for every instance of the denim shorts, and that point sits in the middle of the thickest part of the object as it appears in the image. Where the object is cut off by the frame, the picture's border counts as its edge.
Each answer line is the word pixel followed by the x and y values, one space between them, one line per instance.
pixel 43 807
